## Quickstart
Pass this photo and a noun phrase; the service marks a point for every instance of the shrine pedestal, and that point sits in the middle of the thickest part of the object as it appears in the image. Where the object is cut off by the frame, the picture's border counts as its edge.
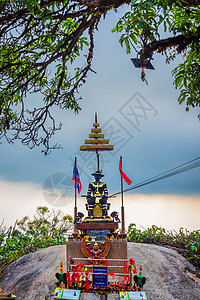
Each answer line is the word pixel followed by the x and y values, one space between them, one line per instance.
pixel 97 230
pixel 97 225
pixel 115 258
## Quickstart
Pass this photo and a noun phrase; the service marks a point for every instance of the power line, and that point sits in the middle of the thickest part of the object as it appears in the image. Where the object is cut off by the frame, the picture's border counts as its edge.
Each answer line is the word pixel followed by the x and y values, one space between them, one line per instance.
pixel 194 163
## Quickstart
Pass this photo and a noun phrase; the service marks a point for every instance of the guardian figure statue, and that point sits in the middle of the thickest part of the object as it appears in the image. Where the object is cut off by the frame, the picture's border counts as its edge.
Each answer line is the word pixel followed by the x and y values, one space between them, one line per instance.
pixel 97 195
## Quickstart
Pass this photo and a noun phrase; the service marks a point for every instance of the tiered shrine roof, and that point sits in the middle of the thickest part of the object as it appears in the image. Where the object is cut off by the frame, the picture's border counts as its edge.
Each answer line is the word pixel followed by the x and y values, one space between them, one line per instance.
pixel 96 141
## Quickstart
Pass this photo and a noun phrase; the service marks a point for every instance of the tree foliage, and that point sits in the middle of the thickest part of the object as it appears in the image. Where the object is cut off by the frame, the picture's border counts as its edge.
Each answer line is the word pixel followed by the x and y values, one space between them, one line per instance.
pixel 185 242
pixel 143 29
pixel 47 228
pixel 46 223
pixel 41 41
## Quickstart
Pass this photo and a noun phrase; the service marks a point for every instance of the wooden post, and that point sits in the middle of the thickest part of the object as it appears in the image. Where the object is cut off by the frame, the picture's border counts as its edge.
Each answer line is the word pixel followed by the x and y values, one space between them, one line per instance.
pixel 75 204
pixel 97 159
pixel 122 207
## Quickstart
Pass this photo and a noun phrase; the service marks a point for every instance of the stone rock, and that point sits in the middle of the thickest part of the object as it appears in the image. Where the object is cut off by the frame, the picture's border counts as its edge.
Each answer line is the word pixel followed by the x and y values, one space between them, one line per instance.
pixel 32 276
pixel 169 275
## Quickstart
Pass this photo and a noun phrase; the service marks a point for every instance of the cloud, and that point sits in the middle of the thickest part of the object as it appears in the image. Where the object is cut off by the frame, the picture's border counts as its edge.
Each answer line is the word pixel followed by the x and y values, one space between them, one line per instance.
pixel 169 211
pixel 19 199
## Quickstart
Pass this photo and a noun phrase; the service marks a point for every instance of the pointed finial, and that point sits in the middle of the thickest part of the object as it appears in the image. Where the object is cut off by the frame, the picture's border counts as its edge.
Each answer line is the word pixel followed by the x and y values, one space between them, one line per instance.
pixel 96 141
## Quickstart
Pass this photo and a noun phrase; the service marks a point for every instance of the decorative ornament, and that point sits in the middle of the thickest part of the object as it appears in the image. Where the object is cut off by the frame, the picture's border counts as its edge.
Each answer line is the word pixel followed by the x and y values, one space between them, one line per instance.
pixel 96 255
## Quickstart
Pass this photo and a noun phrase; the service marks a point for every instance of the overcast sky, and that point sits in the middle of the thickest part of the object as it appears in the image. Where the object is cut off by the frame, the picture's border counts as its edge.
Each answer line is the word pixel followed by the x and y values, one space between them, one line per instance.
pixel 145 124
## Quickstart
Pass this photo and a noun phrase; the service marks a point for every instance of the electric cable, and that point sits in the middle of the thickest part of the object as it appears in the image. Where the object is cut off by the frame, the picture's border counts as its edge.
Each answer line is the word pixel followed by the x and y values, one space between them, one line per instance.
pixel 194 163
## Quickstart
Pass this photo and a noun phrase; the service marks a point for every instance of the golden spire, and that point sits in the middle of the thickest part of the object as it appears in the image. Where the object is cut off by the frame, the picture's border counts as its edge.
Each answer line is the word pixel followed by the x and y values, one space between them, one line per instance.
pixel 96 141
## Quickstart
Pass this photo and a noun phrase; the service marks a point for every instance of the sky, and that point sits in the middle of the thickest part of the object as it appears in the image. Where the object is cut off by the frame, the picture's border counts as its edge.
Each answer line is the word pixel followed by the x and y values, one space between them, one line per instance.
pixel 147 127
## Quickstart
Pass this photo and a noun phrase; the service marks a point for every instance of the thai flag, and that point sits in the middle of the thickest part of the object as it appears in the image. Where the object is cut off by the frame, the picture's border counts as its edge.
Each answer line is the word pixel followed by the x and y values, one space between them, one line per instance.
pixel 78 181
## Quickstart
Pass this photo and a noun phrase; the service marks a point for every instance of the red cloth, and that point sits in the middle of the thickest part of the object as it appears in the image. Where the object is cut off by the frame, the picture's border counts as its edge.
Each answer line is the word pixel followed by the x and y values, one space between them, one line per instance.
pixel 87 284
pixel 76 272
pixel 125 269
pixel 105 263
pixel 123 175
pixel 132 265
pixel 68 277
pixel 75 277
pixel 111 274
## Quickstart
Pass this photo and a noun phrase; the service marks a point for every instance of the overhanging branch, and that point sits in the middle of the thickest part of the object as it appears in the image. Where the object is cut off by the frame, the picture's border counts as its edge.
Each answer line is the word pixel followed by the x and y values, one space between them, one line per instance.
pixel 103 3
pixel 24 12
pixel 180 41
pixel 118 3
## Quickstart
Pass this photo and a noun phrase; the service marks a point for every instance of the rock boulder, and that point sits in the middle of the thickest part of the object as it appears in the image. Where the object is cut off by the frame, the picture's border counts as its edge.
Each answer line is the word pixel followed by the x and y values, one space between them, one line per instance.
pixel 169 275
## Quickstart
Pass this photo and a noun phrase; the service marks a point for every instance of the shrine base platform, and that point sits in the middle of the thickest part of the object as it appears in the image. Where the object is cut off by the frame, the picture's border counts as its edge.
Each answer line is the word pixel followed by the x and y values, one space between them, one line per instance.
pixel 115 258
pixel 95 225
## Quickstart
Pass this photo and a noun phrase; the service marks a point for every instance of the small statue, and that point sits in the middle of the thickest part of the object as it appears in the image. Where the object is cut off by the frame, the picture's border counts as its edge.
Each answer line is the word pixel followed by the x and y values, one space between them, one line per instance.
pixel 79 217
pixel 139 280
pixel 115 216
pixel 61 276
pixel 115 235
pixel 97 194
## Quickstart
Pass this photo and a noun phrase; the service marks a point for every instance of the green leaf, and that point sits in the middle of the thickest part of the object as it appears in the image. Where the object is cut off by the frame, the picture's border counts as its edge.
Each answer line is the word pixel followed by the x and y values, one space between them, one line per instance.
pixel 127 45
pixel 133 2
pixel 114 29
pixel 150 3
pixel 121 40
pixel 133 37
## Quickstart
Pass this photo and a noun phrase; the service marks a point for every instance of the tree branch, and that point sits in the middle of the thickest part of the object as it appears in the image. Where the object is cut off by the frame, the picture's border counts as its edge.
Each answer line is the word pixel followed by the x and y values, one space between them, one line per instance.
pixel 103 3
pixel 180 41
pixel 118 3
pixel 23 12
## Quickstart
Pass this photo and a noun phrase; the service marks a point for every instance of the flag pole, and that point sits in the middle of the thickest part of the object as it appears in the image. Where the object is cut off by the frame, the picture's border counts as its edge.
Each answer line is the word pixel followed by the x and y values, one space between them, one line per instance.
pixel 97 153
pixel 122 207
pixel 75 186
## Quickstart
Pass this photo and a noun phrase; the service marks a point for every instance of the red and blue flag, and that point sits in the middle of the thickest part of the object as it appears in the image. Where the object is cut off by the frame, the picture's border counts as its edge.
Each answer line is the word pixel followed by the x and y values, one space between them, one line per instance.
pixel 78 181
